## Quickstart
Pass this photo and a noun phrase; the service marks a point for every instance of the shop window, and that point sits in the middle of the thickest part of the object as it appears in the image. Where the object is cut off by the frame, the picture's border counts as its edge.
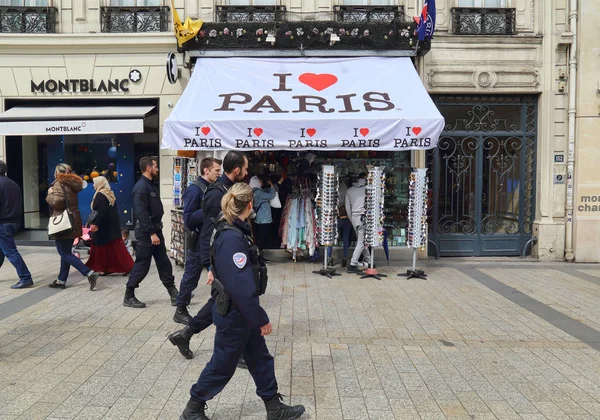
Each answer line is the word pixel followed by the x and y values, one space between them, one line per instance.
pixel 250 11
pixel 91 156
pixel 483 17
pixel 368 11
pixel 135 16
pixel 27 16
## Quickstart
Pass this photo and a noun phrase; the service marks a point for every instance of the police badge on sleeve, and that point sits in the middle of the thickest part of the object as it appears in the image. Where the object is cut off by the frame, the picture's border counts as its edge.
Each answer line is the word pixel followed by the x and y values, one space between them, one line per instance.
pixel 240 259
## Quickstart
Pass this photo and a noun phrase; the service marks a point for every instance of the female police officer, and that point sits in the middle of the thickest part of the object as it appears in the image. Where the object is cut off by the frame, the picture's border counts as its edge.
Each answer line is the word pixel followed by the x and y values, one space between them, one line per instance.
pixel 240 321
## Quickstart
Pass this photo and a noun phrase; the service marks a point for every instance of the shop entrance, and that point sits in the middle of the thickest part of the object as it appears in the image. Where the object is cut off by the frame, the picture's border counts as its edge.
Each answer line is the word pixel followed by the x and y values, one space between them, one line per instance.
pixel 31 161
pixel 483 170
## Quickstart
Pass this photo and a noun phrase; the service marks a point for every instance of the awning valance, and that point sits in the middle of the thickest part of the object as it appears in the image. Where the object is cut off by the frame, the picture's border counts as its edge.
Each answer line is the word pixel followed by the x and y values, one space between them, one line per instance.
pixel 372 103
pixel 70 120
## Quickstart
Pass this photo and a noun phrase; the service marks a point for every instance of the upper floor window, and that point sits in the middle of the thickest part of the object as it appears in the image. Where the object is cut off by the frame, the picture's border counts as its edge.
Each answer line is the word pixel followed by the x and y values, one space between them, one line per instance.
pixel 135 16
pixel 483 17
pixel 25 3
pixel 367 11
pixel 250 11
pixel 251 3
pixel 369 2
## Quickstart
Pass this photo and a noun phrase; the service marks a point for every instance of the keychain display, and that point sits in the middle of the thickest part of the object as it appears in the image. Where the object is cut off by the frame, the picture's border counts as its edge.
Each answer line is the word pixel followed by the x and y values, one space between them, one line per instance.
pixel 417 218
pixel 327 214
pixel 374 204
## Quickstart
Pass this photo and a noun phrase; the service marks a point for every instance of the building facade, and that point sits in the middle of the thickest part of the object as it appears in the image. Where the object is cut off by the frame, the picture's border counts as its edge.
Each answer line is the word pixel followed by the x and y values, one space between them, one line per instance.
pixel 516 81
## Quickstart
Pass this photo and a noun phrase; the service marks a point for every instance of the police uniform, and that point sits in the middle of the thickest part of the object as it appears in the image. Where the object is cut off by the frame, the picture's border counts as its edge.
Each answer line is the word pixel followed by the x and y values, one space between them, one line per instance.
pixel 238 316
pixel 148 211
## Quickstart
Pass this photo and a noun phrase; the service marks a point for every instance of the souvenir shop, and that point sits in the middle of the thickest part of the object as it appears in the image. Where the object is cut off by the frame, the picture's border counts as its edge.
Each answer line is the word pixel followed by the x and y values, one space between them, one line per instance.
pixel 310 126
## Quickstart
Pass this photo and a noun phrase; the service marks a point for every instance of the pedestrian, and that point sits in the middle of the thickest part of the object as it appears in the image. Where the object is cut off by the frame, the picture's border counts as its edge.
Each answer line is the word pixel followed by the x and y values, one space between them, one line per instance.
pixel 11 212
pixel 210 170
pixel 241 323
pixel 63 190
pixel 108 253
pixel 148 211
pixel 355 208
pixel 264 218
pixel 235 165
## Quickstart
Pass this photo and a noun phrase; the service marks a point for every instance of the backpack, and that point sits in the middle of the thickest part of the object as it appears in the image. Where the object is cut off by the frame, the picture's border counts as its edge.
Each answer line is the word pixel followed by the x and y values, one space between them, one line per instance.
pixel 217 185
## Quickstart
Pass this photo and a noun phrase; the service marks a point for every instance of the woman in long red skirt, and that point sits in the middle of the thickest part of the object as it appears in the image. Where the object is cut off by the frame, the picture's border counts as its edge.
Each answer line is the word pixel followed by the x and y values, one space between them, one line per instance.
pixel 108 253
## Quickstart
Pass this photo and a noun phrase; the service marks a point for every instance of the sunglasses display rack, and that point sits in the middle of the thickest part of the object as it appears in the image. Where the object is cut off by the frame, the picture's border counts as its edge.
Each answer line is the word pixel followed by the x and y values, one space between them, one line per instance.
pixel 327 213
pixel 417 219
pixel 374 203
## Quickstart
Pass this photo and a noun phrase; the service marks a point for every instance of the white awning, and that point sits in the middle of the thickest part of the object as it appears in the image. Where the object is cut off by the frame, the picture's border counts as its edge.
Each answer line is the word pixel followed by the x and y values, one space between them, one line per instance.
pixel 71 120
pixel 364 103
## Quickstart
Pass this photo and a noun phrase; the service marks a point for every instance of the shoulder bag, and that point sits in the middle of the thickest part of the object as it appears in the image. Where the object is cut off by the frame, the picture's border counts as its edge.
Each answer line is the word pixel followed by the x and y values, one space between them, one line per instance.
pixel 63 222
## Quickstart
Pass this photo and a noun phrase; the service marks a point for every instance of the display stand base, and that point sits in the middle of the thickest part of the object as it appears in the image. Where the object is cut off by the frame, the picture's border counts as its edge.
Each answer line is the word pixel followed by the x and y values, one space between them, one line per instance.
pixel 414 274
pixel 327 272
pixel 372 273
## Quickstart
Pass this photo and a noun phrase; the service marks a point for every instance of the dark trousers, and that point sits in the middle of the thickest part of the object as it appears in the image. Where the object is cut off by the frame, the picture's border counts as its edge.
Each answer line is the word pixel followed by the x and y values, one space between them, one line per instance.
pixel 345 229
pixel 144 252
pixel 234 338
pixel 8 248
pixel 191 276
pixel 67 259
pixel 204 317
pixel 261 234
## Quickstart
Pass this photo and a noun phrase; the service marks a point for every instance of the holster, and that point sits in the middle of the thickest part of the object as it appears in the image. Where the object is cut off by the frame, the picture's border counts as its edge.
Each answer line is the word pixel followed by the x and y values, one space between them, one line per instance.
pixel 191 237
pixel 261 278
pixel 222 301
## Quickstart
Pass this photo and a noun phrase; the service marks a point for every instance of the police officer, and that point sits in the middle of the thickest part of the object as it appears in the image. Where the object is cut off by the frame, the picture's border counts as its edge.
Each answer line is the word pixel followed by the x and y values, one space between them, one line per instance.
pixel 210 169
pixel 235 165
pixel 240 321
pixel 148 211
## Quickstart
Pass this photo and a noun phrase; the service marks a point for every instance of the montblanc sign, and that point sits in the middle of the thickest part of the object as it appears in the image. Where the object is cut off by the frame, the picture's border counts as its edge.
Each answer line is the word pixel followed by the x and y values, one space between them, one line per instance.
pixel 80 85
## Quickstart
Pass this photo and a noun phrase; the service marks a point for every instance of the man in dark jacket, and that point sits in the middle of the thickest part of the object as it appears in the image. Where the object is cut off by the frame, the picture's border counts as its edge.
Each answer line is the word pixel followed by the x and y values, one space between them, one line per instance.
pixel 235 166
pixel 11 212
pixel 148 211
pixel 210 170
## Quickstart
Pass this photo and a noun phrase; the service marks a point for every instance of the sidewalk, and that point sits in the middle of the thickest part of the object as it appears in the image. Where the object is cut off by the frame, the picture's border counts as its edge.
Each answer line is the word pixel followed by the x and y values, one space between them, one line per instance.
pixel 476 340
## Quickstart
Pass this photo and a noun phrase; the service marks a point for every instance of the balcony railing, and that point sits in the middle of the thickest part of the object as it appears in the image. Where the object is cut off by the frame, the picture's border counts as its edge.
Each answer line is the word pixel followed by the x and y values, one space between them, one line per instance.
pixel 368 13
pixel 135 19
pixel 477 21
pixel 227 14
pixel 28 20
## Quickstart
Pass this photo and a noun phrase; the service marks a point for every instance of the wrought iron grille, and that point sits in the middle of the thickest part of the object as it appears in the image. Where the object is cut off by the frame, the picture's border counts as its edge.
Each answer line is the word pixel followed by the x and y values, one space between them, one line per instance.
pixel 368 13
pixel 483 173
pixel 228 14
pixel 477 21
pixel 135 19
pixel 30 20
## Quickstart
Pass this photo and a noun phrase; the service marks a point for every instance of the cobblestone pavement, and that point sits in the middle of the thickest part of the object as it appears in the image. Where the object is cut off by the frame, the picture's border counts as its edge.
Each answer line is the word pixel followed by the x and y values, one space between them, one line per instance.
pixel 476 340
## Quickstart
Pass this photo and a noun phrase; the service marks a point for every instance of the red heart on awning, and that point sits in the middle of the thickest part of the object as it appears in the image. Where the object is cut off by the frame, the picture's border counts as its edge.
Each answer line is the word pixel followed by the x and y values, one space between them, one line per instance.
pixel 318 82
pixel 311 131
pixel 205 130
pixel 416 130
pixel 258 131
pixel 364 132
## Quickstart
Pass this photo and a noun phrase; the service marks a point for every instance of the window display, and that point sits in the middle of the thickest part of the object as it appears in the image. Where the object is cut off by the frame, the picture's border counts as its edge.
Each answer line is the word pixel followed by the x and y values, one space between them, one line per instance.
pixel 92 155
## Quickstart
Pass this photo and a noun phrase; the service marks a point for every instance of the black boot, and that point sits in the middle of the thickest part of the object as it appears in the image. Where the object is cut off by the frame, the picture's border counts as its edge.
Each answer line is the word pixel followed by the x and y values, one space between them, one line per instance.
pixel 194 411
pixel 242 363
pixel 131 301
pixel 173 293
pixel 277 410
pixel 181 339
pixel 182 315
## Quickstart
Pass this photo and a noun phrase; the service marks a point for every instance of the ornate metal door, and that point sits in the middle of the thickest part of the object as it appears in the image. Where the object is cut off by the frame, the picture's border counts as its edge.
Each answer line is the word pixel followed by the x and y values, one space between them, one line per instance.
pixel 483 174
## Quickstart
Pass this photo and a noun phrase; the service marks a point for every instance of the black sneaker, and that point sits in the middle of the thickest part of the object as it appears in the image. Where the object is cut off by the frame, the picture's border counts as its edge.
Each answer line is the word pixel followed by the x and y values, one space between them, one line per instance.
pixel 92 278
pixel 57 285
pixel 352 269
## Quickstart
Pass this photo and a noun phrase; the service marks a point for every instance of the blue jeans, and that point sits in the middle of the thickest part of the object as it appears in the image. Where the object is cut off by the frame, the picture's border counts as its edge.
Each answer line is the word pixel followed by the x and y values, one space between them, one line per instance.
pixel 67 259
pixel 345 228
pixel 8 248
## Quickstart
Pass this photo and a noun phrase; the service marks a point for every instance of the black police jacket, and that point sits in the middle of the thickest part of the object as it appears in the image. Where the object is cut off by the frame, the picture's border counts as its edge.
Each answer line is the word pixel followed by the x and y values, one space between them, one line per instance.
pixel 211 207
pixel 233 266
pixel 147 208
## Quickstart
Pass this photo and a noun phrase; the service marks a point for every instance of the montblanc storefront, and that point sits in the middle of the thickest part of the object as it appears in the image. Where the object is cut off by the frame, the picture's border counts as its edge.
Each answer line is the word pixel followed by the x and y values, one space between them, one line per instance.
pixel 98 113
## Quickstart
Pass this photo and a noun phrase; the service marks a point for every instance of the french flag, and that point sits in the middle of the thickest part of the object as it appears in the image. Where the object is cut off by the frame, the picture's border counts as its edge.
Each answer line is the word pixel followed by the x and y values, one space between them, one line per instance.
pixel 426 22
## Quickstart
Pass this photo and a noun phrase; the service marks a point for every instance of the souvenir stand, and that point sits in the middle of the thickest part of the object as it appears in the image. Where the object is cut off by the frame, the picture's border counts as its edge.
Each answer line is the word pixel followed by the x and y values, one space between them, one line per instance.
pixel 327 213
pixel 315 104
pixel 374 204
pixel 185 172
pixel 417 219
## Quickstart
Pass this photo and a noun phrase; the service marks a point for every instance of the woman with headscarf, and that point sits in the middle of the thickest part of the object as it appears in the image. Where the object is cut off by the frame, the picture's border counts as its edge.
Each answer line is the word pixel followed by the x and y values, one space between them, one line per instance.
pixel 108 253
pixel 62 194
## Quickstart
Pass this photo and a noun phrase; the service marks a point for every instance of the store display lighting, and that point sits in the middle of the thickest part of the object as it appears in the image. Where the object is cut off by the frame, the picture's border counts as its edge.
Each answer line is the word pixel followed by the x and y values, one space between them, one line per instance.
pixel 334 38
pixel 271 38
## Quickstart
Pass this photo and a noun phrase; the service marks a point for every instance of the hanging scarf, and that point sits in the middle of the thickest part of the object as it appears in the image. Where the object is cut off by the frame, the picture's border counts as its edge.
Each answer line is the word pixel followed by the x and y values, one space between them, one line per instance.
pixel 102 186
